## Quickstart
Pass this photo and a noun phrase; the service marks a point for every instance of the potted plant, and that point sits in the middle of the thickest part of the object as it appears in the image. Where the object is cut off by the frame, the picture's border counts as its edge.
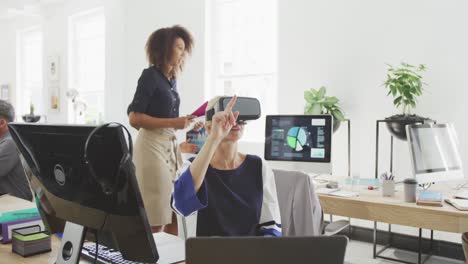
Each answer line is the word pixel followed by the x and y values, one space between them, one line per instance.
pixel 318 103
pixel 405 84
pixel 31 118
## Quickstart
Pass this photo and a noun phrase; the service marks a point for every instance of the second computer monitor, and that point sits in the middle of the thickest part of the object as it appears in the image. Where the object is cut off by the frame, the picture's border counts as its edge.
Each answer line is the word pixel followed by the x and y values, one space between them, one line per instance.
pixel 299 138
pixel 434 152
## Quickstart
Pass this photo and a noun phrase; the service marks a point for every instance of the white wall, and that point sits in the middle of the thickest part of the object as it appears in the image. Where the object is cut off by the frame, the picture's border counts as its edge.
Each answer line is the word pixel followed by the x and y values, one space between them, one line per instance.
pixel 55 30
pixel 344 45
pixel 116 60
pixel 145 17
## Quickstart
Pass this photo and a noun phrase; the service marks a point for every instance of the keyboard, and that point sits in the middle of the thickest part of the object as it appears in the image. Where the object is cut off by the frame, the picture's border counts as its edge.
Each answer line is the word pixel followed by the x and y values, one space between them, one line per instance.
pixel 105 255
pixel 171 250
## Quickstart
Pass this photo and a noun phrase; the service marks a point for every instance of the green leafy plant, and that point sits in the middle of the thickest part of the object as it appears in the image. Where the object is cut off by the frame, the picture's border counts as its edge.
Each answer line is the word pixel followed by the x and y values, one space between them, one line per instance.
pixel 405 85
pixel 318 103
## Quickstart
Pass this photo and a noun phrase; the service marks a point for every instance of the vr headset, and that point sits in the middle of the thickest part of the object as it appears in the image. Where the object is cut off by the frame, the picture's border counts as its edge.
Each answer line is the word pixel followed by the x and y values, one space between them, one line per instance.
pixel 248 108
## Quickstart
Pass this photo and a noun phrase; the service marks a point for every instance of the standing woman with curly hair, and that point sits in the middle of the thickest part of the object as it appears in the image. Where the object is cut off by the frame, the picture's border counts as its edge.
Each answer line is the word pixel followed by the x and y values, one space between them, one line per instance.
pixel 154 111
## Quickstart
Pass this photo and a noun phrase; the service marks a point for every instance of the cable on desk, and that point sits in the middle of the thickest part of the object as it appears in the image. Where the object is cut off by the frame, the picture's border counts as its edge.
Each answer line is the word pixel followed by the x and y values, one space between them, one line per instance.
pixel 97 246
pixel 96 237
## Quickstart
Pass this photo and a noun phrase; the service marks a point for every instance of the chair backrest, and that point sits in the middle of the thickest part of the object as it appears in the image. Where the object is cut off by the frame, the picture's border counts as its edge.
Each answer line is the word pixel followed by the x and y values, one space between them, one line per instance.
pixel 300 209
pixel 266 250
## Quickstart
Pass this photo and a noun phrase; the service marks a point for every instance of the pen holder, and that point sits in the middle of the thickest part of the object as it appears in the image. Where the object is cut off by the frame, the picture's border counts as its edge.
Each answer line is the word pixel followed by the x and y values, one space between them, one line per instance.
pixel 388 188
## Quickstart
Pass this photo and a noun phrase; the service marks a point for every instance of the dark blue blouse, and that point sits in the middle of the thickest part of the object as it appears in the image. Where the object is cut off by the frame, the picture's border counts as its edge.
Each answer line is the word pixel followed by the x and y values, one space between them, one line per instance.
pixel 229 202
pixel 155 95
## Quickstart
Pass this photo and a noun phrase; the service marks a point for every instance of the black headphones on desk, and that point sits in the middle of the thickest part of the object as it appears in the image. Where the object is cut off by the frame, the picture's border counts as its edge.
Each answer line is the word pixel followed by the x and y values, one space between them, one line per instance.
pixel 107 186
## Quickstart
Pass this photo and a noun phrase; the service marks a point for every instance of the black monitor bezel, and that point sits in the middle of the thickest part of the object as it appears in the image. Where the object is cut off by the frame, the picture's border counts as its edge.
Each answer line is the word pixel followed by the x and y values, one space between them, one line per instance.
pixel 110 220
pixel 328 126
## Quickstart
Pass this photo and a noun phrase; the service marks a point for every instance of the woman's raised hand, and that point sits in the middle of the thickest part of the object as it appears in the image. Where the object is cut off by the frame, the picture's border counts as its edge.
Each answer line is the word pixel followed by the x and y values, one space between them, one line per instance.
pixel 223 121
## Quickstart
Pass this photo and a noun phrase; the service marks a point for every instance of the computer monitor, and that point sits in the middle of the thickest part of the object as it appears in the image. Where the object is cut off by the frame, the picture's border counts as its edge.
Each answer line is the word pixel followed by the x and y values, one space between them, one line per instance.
pixel 434 152
pixel 305 139
pixel 68 192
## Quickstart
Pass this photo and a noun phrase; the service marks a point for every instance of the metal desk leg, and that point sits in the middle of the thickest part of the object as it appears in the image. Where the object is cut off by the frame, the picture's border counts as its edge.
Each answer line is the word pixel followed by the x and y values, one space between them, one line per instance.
pixel 375 240
pixel 421 260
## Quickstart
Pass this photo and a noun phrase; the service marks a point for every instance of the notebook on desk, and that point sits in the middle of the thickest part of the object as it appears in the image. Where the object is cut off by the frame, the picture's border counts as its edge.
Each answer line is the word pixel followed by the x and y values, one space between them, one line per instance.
pixel 460 204
pixel 462 195
pixel 337 192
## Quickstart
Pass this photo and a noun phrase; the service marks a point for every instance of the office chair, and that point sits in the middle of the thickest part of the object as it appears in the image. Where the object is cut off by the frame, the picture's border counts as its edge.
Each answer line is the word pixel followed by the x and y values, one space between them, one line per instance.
pixel 301 212
pixel 334 227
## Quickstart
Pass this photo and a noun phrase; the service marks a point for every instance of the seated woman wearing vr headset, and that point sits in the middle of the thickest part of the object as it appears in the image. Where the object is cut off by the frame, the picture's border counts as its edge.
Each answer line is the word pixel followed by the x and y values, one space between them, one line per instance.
pixel 234 193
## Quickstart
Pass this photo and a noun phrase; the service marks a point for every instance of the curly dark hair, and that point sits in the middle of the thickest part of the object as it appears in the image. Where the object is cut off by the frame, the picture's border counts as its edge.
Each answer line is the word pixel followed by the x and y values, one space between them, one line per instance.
pixel 160 43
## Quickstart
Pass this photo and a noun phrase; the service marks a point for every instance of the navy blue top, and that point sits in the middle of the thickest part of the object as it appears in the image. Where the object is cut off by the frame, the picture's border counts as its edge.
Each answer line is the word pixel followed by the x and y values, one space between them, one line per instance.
pixel 155 95
pixel 229 202
pixel 232 193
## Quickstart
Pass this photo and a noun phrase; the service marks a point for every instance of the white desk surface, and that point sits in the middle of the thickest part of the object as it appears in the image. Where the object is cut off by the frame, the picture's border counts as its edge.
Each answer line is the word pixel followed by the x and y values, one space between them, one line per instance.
pixel 9 203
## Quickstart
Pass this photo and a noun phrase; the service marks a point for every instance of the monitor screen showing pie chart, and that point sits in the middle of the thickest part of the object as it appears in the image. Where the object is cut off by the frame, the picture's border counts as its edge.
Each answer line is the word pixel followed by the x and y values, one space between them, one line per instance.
pixel 297 138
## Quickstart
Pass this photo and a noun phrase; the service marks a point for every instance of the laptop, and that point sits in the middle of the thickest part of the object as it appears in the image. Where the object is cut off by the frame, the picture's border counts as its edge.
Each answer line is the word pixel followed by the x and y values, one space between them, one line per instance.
pixel 266 250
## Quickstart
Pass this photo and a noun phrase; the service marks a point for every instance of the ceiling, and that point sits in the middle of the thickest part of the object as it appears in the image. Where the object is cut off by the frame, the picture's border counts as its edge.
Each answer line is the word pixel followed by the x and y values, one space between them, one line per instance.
pixel 23 8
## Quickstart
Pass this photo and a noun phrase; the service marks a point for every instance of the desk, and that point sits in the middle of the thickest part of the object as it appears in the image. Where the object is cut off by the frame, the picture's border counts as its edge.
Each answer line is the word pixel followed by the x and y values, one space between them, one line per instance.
pixel 9 203
pixel 370 205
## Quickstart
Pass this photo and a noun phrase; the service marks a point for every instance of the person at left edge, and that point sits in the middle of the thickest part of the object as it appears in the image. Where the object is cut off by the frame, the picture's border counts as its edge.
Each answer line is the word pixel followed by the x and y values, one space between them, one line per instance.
pixel 12 175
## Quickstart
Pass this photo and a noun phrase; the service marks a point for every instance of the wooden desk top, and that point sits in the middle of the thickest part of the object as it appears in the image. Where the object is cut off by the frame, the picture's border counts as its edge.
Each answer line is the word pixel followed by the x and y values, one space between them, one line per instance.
pixel 370 205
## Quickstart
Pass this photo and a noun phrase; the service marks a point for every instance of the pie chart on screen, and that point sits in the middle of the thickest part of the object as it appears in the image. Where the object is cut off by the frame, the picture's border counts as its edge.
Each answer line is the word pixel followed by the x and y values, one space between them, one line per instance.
pixel 297 138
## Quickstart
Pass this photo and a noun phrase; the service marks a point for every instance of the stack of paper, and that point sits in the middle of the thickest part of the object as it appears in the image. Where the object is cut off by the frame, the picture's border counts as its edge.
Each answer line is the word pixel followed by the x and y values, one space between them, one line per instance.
pixel 30 241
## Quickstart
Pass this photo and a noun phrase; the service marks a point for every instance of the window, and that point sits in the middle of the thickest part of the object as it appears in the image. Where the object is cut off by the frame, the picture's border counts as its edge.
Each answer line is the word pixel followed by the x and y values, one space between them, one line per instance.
pixel 87 66
pixel 243 56
pixel 29 72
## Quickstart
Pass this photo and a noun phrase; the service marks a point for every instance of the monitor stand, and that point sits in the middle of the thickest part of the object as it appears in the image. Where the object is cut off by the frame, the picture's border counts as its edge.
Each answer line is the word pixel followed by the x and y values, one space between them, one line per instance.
pixel 306 167
pixel 72 242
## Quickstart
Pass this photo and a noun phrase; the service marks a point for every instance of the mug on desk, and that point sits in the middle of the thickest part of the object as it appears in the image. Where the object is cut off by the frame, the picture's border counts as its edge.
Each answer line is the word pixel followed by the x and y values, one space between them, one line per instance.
pixel 388 188
pixel 410 190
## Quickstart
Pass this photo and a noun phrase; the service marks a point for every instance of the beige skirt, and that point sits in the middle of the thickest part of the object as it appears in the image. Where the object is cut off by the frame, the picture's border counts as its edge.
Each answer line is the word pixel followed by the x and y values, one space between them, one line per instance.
pixel 157 158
